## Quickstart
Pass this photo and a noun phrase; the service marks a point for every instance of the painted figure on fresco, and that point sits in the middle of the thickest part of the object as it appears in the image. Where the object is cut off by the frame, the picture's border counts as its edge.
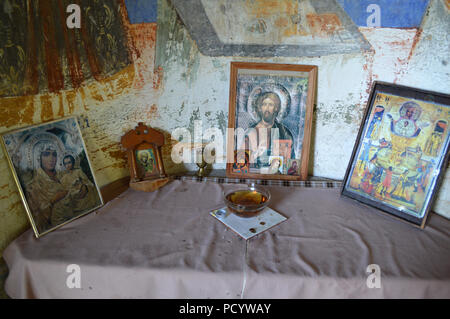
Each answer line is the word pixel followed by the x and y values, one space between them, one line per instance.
pixel 263 134
pixel 396 157
pixel 36 55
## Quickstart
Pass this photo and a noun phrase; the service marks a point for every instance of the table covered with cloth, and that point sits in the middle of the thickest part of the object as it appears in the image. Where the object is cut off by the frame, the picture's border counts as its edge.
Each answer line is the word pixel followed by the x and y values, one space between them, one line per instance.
pixel 165 244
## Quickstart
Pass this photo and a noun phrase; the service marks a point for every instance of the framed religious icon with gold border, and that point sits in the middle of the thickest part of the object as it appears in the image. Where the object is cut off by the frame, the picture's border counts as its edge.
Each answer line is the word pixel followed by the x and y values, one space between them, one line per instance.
pixel 51 167
pixel 270 117
pixel 401 151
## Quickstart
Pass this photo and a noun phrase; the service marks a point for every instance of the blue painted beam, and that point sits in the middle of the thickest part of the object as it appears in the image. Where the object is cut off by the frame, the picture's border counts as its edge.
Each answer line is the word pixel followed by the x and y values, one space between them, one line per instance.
pixel 142 11
pixel 385 13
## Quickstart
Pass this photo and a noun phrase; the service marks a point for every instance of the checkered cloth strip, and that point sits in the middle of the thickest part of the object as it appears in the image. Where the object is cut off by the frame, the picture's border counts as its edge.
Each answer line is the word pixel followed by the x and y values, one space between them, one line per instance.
pixel 221 180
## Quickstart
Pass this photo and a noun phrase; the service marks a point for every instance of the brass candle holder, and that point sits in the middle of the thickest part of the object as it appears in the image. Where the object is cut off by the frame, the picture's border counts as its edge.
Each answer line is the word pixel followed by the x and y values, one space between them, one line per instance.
pixel 201 163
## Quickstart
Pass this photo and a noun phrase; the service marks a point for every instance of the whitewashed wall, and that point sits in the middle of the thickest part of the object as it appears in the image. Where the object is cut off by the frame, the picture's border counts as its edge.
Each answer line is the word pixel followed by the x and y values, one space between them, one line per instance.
pixel 197 86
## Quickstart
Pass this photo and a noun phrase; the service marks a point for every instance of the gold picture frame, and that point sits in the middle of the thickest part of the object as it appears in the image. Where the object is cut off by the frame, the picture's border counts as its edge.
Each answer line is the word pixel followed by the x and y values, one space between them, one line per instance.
pixel 53 173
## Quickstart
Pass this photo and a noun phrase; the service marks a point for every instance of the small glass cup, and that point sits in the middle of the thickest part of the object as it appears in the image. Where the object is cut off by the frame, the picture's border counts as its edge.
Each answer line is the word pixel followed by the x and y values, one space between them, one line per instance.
pixel 246 201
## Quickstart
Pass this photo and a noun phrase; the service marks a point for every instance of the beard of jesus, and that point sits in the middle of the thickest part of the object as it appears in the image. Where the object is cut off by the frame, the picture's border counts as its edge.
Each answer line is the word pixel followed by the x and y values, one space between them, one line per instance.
pixel 269 117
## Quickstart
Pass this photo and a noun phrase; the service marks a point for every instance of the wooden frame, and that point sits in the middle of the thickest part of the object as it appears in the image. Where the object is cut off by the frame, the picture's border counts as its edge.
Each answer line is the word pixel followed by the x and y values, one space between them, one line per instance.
pixel 277 96
pixel 51 168
pixel 401 152
pixel 145 162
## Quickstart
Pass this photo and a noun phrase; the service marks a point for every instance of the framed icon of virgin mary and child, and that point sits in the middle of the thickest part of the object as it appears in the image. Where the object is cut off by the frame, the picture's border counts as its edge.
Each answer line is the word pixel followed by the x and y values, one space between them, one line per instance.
pixel 269 121
pixel 52 171
pixel 401 151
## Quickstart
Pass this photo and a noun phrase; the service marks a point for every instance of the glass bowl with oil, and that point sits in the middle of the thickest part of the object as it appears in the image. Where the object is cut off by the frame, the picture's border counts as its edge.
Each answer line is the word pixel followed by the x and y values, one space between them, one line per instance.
pixel 246 201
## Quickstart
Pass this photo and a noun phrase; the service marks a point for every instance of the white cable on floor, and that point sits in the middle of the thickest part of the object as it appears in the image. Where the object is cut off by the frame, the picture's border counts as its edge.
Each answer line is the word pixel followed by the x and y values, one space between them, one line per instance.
pixel 244 281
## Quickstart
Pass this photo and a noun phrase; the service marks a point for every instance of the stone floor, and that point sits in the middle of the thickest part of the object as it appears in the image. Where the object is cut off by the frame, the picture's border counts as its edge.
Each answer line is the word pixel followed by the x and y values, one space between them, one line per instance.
pixel 3 275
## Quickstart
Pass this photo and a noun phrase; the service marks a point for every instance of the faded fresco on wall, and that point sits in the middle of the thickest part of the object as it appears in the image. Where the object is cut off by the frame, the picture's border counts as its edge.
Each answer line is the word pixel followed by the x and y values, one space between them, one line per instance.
pixel 39 53
pixel 106 106
pixel 270 28
pixel 385 13
pixel 141 11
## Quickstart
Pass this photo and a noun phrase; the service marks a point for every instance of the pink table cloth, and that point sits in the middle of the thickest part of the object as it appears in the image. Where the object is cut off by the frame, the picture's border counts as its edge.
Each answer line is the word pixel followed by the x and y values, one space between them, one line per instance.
pixel 166 245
